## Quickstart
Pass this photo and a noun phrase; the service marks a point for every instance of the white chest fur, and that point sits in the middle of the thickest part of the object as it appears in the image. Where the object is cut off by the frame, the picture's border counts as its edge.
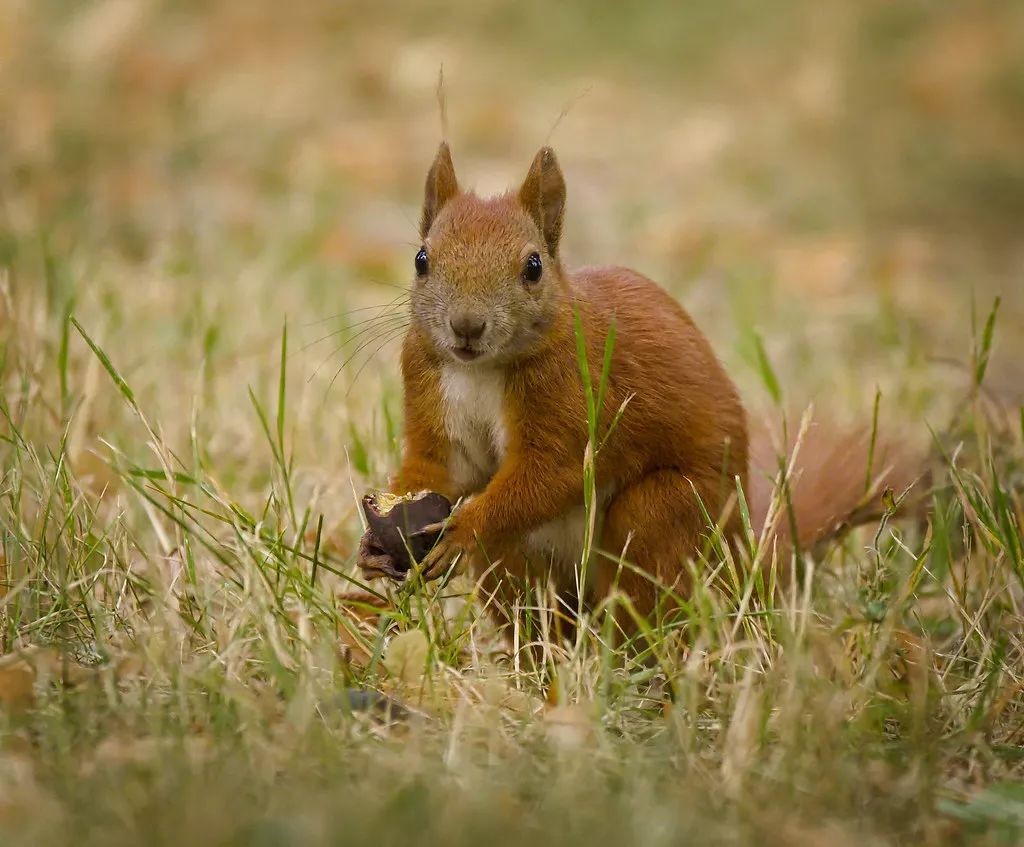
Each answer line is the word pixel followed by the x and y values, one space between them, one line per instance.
pixel 474 416
pixel 560 541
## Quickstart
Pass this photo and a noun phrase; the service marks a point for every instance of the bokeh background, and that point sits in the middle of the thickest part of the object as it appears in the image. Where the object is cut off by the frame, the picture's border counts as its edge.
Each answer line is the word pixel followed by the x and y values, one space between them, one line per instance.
pixel 846 179
pixel 842 179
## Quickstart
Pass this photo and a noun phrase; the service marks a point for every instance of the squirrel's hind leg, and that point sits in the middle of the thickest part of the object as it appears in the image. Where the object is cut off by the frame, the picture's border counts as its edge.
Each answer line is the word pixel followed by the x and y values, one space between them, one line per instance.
pixel 516 590
pixel 652 528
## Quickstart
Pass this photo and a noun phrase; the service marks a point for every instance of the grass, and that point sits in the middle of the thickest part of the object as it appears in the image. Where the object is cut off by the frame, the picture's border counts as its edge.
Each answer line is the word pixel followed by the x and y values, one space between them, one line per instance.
pixel 205 217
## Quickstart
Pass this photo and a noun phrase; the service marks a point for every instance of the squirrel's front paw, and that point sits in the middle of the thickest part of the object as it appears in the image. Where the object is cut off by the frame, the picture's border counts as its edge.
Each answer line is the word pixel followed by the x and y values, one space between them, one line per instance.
pixel 450 552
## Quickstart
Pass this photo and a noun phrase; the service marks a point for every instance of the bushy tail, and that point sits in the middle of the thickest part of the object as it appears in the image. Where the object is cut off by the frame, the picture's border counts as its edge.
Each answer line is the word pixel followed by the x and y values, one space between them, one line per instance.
pixel 836 480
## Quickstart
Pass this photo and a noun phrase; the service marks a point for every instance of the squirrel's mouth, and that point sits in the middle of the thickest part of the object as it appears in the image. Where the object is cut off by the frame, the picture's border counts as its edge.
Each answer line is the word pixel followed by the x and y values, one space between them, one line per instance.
pixel 465 354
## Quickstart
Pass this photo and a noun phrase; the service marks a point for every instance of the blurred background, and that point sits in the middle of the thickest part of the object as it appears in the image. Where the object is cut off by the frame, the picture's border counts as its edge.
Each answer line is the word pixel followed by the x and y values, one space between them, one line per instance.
pixel 841 179
pixel 845 179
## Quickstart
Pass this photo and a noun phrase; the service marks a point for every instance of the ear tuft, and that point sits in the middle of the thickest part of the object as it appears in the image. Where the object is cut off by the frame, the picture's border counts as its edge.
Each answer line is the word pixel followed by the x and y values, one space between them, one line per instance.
pixel 543 196
pixel 441 186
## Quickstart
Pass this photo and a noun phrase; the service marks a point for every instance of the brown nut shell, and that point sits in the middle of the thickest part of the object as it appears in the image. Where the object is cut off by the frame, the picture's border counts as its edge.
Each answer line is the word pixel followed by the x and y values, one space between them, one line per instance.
pixel 396 523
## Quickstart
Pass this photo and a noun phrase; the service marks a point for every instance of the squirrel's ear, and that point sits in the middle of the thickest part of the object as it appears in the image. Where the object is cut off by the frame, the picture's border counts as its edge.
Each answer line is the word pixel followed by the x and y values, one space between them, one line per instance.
pixel 543 196
pixel 441 187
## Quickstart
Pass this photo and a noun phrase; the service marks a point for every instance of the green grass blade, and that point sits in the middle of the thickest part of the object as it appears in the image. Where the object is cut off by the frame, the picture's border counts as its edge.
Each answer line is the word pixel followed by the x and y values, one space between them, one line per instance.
pixel 282 389
pixel 62 355
pixel 108 366
pixel 766 371
pixel 584 368
pixel 985 351
pixel 872 444
pixel 606 365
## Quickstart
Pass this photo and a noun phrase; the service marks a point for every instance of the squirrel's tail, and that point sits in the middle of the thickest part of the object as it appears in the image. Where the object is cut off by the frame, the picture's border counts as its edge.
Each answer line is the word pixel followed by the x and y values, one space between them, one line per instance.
pixel 836 480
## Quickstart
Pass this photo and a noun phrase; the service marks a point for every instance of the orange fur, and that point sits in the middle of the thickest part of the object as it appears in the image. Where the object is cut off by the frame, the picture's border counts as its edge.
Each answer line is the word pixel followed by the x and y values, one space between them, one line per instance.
pixel 828 483
pixel 500 420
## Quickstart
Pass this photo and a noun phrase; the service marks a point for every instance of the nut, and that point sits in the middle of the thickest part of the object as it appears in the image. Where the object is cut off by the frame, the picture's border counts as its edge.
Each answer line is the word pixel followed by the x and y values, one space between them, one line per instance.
pixel 395 524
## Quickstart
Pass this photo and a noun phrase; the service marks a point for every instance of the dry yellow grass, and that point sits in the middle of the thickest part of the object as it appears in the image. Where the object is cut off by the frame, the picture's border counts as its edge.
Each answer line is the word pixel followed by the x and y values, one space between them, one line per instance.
pixel 184 179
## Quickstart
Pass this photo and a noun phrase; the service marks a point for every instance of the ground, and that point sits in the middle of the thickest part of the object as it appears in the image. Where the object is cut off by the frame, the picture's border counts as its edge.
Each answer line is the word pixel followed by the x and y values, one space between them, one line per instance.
pixel 207 218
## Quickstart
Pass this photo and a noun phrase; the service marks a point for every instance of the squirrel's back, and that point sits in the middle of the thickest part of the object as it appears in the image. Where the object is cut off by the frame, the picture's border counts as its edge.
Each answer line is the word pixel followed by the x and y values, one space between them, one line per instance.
pixel 672 368
pixel 681 401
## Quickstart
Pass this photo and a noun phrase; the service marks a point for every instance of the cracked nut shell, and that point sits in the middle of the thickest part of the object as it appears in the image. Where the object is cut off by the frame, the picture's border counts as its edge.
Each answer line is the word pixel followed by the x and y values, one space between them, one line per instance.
pixel 395 522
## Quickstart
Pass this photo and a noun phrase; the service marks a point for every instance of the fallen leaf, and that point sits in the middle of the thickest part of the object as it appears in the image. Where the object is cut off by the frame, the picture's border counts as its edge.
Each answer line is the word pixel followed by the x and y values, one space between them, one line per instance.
pixel 406 659
pixel 498 693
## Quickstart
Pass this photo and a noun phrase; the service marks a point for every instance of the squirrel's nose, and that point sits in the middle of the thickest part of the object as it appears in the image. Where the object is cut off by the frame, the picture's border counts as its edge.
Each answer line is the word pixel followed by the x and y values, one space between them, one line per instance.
pixel 467 326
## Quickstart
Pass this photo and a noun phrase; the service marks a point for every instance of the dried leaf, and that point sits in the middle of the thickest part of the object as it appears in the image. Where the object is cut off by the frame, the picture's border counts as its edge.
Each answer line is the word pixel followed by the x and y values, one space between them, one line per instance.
pixel 497 692
pixel 406 659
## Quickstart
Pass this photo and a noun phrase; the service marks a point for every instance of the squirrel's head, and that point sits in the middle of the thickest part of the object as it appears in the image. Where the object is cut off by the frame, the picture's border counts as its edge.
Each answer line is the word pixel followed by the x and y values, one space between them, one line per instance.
pixel 488 281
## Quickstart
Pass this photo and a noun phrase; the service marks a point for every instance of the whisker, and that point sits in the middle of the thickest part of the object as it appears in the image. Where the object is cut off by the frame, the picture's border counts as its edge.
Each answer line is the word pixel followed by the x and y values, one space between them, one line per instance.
pixel 384 317
pixel 368 334
pixel 375 318
pixel 363 346
pixel 376 330
pixel 395 285
pixel 398 299
pixel 392 337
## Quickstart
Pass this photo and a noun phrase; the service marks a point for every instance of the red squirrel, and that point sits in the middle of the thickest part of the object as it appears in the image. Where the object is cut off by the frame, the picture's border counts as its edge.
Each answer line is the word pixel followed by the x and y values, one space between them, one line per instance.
pixel 495 409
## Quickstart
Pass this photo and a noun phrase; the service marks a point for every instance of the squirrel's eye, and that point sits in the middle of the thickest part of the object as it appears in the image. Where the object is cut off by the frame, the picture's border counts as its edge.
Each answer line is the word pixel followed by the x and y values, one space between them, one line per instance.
pixel 533 267
pixel 421 263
